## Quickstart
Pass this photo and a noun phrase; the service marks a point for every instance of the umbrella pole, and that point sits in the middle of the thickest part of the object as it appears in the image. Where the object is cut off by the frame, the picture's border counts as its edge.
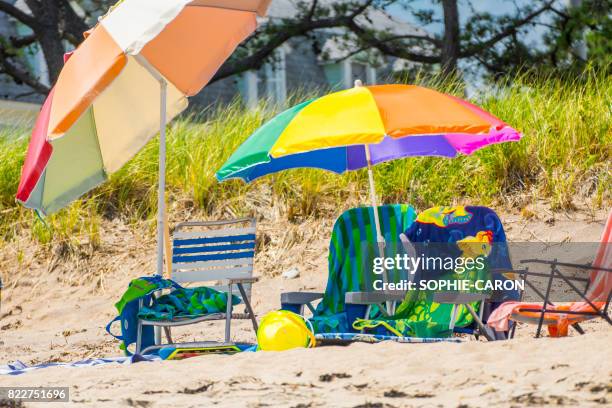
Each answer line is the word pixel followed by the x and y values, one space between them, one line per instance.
pixel 161 197
pixel 379 237
pixel 161 192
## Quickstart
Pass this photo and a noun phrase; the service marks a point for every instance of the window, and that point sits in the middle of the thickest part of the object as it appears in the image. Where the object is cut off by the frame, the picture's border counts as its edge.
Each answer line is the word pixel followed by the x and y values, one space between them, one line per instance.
pixel 334 74
pixel 248 88
pixel 365 72
pixel 358 71
pixel 342 75
pixel 275 78
pixel 371 78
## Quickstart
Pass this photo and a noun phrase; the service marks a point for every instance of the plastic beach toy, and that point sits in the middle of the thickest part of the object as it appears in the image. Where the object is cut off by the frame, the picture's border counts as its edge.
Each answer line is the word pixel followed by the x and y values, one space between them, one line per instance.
pixel 284 330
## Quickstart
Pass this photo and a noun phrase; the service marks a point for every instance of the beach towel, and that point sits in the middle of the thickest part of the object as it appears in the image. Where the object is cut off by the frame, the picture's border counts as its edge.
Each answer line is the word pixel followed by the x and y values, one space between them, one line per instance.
pixel 352 243
pixel 414 318
pixel 500 317
pixel 444 224
pixel 179 303
pixel 331 338
pixel 128 306
pixel 187 303
pixel 140 287
pixel 457 228
pixel 17 367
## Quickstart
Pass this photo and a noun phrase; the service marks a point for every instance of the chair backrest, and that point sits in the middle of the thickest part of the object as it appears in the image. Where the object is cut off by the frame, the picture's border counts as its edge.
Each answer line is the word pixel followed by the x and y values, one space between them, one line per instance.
pixel 601 280
pixel 445 224
pixel 353 232
pixel 213 251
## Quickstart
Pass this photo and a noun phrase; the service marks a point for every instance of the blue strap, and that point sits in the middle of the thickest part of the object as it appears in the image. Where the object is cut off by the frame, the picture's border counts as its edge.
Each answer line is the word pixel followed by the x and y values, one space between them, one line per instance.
pixel 108 328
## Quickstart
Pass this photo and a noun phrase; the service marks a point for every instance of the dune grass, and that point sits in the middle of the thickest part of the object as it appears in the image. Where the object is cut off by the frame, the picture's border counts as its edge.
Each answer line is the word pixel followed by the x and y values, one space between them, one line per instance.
pixel 564 156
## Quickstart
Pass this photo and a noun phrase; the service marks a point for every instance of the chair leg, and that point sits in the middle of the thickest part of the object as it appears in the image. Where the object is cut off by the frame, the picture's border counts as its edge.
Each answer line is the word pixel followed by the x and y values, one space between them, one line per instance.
pixel 228 314
pixel 366 317
pixel 512 330
pixel 553 268
pixel 157 335
pixel 247 304
pixel 481 308
pixel 168 334
pixel 578 328
pixel 481 327
pixel 157 339
pixel 139 330
pixel 311 308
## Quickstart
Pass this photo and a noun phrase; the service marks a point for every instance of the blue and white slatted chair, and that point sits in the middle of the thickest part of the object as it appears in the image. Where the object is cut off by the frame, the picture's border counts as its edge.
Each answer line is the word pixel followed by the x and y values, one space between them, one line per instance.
pixel 219 254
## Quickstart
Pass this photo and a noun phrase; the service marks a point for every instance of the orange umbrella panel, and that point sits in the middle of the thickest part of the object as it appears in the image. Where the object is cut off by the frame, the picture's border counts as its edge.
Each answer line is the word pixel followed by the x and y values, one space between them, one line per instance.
pixel 105 105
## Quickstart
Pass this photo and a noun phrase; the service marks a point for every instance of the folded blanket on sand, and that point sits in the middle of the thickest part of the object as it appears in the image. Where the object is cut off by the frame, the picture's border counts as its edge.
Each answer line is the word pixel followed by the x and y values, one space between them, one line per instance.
pixel 18 367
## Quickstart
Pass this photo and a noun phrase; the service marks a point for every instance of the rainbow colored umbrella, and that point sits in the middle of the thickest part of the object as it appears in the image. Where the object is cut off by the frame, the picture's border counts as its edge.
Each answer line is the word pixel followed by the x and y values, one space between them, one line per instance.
pixel 364 126
pixel 133 72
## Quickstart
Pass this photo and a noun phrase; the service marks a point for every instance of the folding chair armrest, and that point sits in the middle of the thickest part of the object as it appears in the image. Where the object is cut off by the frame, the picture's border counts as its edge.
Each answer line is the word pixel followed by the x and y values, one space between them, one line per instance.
pixel 213 223
pixel 234 281
pixel 566 264
pixel 524 273
pixel 300 298
pixel 459 298
pixel 373 298
pixel 502 271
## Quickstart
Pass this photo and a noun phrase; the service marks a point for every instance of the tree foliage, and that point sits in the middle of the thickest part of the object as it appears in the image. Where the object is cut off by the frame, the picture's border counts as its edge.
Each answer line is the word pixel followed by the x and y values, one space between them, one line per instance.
pixel 496 43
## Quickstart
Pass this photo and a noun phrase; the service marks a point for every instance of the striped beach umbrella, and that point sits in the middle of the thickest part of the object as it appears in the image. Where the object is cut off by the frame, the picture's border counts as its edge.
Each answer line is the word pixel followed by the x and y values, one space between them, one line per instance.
pixel 133 72
pixel 364 126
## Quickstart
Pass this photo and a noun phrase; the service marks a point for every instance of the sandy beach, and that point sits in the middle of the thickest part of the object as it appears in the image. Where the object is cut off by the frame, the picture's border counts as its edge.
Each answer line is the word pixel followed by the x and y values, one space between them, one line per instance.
pixel 432 164
pixel 55 307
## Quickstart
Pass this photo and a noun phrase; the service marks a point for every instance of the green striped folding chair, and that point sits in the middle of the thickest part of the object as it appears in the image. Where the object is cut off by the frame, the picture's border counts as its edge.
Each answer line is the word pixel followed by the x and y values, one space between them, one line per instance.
pixel 353 238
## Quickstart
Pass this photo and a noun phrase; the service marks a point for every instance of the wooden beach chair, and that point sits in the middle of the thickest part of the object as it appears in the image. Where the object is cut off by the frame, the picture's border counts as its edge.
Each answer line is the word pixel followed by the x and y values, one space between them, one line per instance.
pixel 219 254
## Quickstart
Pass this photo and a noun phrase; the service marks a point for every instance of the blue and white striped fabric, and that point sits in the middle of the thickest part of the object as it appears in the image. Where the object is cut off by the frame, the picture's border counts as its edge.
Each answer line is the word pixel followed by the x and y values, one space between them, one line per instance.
pixel 212 251
pixel 18 367
pixel 377 338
